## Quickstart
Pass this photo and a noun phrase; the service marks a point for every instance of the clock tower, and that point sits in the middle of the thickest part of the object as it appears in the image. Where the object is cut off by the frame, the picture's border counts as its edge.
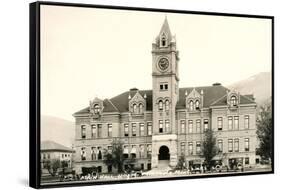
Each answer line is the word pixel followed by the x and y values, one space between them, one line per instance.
pixel 165 81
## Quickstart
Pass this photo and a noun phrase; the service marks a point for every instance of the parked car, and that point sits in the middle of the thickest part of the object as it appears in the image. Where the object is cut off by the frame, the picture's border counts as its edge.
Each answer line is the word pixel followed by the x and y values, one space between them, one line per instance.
pixel 67 174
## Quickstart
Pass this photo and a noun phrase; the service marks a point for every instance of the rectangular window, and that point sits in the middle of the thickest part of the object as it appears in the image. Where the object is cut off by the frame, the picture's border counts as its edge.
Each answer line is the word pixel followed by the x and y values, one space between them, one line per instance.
pixel 149 150
pixel 99 153
pixel 236 123
pixel 149 128
pixel 126 151
pixel 160 126
pixel 141 151
pixel 149 166
pixel 183 148
pixel 83 153
pixel 230 123
pixel 236 145
pixel 142 167
pixel 190 126
pixel 198 147
pixel 126 129
pixel 198 126
pixel 219 123
pixel 246 122
pixel 247 161
pixel 134 151
pixel 94 131
pixel 190 148
pixel 109 130
pixel 206 124
pixel 99 130
pixel 141 129
pixel 230 145
pixel 220 145
pixel 93 153
pixel 164 86
pixel 182 126
pixel 83 131
pixel 167 126
pixel 134 129
pixel 247 144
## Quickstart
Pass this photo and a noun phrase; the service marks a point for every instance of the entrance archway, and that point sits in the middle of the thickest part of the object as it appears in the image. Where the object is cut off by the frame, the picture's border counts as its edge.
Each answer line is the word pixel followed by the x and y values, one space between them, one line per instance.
pixel 164 153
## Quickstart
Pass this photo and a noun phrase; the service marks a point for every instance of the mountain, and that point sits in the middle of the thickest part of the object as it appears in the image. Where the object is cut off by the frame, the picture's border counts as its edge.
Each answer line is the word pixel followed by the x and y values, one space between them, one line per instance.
pixel 58 130
pixel 259 85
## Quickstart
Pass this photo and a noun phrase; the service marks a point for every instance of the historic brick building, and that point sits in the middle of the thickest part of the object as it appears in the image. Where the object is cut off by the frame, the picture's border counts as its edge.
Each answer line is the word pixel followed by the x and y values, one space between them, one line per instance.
pixel 51 150
pixel 158 125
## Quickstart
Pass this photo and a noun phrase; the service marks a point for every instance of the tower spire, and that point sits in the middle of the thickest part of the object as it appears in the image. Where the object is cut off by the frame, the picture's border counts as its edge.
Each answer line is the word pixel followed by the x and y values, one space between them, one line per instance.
pixel 166 29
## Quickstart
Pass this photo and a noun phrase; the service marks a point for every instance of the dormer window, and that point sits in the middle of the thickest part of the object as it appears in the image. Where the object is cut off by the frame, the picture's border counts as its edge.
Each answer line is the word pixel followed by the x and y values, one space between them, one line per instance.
pixel 160 105
pixel 167 105
pixel 197 104
pixel 233 101
pixel 140 108
pixel 134 108
pixel 96 109
pixel 163 40
pixel 191 108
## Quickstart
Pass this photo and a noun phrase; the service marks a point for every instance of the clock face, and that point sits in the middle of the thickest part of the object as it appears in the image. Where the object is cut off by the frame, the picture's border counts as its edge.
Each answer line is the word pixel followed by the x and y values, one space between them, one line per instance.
pixel 163 63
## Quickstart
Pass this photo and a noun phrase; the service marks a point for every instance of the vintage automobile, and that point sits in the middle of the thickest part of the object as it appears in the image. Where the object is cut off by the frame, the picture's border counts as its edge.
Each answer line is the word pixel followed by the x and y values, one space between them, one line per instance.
pixel 67 174
pixel 89 173
pixel 134 171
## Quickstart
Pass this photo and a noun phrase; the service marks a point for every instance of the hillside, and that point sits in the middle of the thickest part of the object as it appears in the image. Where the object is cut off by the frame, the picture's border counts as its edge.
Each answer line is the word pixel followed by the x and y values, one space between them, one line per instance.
pixel 56 129
pixel 259 85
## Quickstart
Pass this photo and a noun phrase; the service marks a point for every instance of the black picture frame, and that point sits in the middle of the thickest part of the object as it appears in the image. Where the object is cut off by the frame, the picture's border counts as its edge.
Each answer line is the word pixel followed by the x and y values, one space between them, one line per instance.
pixel 35 93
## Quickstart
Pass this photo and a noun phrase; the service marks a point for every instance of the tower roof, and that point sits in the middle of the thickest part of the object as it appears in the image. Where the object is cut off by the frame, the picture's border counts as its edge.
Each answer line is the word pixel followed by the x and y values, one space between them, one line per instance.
pixel 166 29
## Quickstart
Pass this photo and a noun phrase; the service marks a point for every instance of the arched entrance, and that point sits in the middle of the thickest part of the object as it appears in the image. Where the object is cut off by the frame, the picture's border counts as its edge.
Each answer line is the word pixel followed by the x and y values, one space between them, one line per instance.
pixel 164 153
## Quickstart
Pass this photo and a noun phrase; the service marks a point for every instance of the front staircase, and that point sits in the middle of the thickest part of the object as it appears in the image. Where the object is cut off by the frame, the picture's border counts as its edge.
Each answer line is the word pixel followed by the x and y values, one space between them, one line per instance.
pixel 162 168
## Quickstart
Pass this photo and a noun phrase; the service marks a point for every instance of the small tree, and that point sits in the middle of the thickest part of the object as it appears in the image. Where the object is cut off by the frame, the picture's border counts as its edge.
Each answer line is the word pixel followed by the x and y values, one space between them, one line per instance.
pixel 264 131
pixel 53 166
pixel 115 158
pixel 64 164
pixel 209 148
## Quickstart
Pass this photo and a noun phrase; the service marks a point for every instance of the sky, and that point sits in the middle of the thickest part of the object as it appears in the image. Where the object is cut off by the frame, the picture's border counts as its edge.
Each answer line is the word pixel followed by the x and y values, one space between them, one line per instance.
pixel 89 52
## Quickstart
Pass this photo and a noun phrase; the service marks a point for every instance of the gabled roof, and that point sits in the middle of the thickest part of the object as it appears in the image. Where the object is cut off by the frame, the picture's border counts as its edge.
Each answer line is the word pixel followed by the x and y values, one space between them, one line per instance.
pixel 53 146
pixel 122 102
pixel 244 99
pixel 212 96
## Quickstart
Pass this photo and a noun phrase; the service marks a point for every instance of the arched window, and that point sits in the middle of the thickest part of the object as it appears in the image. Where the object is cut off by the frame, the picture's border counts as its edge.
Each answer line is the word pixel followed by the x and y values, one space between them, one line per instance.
pixel 160 106
pixel 197 104
pixel 233 101
pixel 191 108
pixel 140 108
pixel 134 108
pixel 96 109
pixel 167 105
pixel 163 41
